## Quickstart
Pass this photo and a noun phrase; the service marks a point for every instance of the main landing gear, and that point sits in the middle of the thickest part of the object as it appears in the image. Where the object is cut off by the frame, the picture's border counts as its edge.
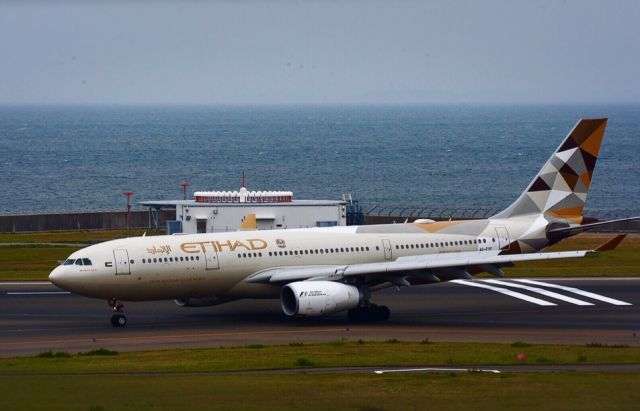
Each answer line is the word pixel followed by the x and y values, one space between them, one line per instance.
pixel 369 313
pixel 117 319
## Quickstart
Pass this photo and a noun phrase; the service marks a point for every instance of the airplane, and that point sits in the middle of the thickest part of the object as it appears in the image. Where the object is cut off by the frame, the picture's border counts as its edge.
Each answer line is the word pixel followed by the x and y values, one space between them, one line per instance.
pixel 320 271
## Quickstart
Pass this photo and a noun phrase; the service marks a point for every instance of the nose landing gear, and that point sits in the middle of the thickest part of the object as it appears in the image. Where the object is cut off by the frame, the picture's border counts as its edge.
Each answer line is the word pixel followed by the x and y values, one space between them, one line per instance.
pixel 117 319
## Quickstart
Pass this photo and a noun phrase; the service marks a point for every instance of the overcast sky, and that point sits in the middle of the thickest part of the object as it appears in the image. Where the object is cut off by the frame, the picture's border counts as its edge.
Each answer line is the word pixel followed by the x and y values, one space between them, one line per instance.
pixel 319 52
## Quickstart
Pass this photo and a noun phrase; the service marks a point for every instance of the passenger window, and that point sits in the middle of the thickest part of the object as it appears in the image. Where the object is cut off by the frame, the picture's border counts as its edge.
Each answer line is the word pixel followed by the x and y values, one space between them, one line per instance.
pixel 131 262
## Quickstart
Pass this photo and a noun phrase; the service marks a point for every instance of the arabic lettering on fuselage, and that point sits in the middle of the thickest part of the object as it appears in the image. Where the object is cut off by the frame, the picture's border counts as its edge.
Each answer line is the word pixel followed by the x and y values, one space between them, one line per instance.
pixel 163 249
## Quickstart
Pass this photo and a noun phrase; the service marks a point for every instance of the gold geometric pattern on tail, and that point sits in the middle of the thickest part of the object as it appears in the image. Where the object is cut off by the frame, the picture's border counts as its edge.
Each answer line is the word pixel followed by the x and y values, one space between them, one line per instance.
pixel 560 188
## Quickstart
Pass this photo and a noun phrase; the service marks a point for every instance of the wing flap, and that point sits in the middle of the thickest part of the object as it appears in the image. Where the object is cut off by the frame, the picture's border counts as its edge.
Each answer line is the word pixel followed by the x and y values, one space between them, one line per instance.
pixel 401 265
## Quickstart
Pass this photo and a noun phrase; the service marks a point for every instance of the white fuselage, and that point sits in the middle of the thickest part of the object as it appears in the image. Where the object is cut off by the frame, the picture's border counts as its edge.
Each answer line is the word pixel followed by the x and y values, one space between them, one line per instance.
pixel 217 264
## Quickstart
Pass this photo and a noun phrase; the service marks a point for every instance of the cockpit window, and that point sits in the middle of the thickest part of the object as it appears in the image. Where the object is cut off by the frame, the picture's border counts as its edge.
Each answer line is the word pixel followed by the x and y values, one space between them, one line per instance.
pixel 79 261
pixel 86 261
pixel 69 261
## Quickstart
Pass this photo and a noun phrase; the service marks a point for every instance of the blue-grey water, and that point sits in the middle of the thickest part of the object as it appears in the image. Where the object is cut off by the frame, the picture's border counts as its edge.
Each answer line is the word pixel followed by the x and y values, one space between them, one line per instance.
pixel 62 158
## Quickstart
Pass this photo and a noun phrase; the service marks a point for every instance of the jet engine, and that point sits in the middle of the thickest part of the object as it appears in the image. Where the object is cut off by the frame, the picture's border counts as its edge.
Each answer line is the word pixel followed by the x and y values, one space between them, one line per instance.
pixel 314 298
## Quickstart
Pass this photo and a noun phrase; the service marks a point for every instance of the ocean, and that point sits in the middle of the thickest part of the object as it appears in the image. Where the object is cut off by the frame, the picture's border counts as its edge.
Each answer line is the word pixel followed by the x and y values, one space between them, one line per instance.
pixel 76 158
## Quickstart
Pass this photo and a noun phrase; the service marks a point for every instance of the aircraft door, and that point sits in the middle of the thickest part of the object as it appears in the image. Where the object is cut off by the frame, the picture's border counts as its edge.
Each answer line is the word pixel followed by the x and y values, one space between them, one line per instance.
pixel 211 258
pixel 386 246
pixel 122 262
pixel 503 238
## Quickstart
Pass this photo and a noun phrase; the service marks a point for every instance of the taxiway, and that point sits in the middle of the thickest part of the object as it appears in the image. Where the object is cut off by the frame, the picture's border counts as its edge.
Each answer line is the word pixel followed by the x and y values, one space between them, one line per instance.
pixel 37 316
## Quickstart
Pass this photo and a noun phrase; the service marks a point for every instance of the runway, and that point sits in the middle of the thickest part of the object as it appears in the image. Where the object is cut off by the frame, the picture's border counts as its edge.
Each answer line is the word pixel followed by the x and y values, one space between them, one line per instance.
pixel 36 317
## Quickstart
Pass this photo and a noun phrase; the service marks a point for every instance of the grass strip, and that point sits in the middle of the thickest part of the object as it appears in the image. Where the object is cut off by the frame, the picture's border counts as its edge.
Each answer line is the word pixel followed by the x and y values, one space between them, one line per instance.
pixel 340 353
pixel 354 392
pixel 85 237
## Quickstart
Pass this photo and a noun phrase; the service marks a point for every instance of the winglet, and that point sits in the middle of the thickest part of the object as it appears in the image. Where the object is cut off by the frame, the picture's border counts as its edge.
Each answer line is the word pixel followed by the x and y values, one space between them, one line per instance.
pixel 611 244
pixel 249 222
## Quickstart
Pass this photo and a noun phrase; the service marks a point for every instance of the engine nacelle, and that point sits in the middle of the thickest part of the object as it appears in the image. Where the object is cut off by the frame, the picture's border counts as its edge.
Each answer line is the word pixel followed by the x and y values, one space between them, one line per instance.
pixel 315 298
pixel 197 302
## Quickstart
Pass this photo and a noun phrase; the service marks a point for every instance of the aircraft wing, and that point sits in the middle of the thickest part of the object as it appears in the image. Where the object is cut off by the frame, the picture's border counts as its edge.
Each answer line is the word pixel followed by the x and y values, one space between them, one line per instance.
pixel 453 265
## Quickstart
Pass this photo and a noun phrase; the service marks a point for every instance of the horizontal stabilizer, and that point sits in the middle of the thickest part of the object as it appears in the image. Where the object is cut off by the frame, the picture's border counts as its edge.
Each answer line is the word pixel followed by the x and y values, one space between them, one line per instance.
pixel 563 232
pixel 611 244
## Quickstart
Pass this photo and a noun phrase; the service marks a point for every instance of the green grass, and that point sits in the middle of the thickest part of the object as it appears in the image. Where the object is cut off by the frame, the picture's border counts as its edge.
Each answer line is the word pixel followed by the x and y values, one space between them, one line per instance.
pixel 623 261
pixel 84 237
pixel 354 392
pixel 346 353
pixel 30 262
pixel 35 262
pixel 178 379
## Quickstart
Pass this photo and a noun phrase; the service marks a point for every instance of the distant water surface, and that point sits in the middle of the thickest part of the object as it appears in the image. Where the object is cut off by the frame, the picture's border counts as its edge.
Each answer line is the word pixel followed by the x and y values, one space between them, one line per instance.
pixel 67 158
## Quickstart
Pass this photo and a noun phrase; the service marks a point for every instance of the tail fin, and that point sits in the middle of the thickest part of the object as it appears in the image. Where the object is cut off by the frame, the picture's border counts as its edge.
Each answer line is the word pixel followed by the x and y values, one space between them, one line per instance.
pixel 560 188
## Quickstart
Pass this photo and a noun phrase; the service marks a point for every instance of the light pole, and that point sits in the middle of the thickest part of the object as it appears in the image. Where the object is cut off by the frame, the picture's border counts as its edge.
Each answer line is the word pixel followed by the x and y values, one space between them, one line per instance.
pixel 128 194
pixel 184 185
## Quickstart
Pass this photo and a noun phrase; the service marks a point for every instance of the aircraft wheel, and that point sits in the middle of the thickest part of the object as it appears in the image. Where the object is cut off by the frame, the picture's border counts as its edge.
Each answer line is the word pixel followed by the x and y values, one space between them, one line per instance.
pixel 118 320
pixel 381 313
pixel 358 315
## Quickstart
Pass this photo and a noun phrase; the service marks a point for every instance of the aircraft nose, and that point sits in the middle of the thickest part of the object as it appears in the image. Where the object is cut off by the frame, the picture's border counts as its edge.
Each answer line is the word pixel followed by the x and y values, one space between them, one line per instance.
pixel 57 276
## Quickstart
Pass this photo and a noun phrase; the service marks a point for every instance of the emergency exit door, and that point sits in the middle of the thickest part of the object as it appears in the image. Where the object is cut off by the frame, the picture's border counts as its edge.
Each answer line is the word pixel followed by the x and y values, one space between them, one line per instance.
pixel 122 262
pixel 211 258
pixel 386 245
pixel 503 238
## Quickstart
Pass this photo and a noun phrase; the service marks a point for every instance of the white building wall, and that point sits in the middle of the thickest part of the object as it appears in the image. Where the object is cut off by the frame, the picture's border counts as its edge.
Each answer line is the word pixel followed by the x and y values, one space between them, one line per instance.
pixel 222 217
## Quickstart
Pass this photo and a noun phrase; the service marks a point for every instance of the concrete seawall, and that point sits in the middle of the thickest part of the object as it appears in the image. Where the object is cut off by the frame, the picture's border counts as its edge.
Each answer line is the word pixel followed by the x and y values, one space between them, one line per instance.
pixel 100 220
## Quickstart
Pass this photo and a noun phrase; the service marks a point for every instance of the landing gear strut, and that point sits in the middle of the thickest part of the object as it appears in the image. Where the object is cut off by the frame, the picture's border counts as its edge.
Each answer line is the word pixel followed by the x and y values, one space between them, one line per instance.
pixel 117 319
pixel 369 313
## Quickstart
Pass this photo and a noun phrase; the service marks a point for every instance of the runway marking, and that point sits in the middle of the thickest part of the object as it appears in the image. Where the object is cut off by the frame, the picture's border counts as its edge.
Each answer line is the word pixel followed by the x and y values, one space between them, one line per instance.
pixel 577 291
pixel 437 369
pixel 25 283
pixel 37 292
pixel 505 291
pixel 540 291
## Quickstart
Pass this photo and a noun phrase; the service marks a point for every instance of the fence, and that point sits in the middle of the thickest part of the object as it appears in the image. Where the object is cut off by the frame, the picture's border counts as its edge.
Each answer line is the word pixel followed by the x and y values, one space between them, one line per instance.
pixel 395 214
pixel 117 220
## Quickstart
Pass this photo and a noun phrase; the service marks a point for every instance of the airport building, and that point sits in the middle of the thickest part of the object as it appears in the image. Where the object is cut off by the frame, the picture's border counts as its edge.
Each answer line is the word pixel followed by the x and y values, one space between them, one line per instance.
pixel 219 211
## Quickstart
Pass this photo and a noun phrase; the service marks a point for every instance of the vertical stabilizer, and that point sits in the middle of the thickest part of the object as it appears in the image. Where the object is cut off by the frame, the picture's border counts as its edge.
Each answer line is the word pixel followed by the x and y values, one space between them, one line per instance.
pixel 560 188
